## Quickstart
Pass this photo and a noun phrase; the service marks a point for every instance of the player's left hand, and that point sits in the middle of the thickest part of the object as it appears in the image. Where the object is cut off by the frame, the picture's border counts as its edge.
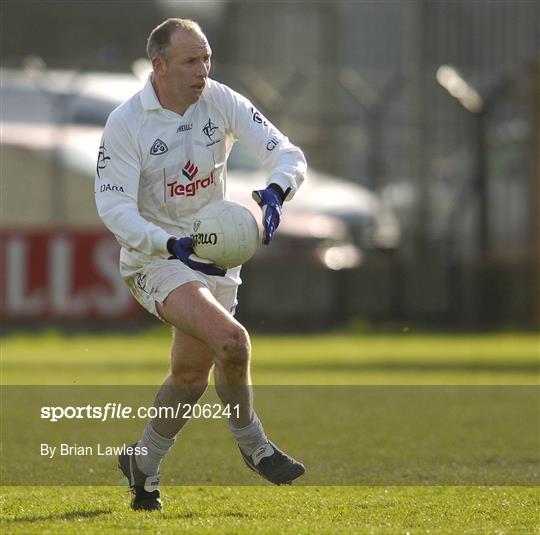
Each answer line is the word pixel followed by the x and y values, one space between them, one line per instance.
pixel 271 201
pixel 182 249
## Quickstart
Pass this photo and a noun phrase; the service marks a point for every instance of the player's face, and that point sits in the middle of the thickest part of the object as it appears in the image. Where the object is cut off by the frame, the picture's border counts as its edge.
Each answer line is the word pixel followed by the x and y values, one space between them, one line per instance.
pixel 186 66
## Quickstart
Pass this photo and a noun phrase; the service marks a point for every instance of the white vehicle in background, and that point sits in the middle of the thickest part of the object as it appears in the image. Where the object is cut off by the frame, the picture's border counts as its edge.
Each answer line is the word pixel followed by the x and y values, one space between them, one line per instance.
pixel 51 125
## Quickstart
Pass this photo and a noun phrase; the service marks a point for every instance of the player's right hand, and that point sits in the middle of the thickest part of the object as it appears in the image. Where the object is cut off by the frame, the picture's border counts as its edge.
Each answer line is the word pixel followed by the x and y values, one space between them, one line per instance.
pixel 270 202
pixel 182 249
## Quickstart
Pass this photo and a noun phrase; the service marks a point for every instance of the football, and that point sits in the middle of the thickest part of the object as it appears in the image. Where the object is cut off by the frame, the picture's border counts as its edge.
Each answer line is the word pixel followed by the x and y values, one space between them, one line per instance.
pixel 226 233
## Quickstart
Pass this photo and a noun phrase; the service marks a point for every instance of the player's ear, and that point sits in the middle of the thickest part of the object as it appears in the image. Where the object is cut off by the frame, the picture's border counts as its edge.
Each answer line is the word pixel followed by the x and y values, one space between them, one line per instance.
pixel 159 65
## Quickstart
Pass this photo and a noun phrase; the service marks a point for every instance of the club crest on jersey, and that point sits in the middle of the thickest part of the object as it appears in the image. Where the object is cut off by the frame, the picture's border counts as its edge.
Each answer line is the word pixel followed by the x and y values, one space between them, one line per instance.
pixel 196 225
pixel 190 170
pixel 209 129
pixel 159 147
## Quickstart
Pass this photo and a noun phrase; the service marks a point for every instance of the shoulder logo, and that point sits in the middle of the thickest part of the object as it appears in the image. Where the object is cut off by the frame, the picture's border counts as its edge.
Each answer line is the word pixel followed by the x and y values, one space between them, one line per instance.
pixel 102 160
pixel 110 187
pixel 159 147
pixel 257 117
pixel 273 143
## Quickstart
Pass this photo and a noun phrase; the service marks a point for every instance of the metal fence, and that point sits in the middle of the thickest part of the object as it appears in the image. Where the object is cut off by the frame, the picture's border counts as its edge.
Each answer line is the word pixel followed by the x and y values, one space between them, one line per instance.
pixel 356 85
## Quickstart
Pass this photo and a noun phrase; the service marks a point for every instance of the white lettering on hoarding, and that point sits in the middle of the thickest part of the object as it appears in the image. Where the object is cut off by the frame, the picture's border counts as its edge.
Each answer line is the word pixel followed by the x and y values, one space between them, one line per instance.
pixel 44 283
pixel 19 300
pixel 61 264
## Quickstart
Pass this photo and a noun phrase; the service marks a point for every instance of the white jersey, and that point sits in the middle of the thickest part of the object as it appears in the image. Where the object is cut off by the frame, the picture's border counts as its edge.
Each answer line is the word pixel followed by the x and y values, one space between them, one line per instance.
pixel 157 168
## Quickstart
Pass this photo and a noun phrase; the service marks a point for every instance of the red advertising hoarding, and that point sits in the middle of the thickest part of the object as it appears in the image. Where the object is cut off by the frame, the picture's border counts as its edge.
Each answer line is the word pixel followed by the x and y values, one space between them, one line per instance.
pixel 62 275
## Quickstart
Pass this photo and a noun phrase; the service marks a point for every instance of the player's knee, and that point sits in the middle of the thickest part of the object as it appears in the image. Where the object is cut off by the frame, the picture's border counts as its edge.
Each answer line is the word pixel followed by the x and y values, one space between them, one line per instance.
pixel 235 347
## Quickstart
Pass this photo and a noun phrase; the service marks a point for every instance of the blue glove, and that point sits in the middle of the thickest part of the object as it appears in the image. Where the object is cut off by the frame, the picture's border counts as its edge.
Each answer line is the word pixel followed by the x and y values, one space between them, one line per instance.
pixel 270 200
pixel 183 250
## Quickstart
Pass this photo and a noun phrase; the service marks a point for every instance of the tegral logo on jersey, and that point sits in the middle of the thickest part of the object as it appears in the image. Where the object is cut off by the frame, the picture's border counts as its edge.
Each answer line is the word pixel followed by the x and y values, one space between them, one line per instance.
pixel 190 170
pixel 159 147
pixel 209 130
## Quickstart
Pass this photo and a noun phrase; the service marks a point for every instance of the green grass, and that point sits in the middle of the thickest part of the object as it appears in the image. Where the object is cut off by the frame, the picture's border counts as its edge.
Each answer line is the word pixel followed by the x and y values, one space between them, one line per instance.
pixel 276 510
pixel 325 360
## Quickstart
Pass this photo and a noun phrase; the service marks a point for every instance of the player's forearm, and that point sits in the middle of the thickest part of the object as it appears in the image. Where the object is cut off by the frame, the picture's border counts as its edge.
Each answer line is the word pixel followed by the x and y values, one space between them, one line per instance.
pixel 289 172
pixel 132 230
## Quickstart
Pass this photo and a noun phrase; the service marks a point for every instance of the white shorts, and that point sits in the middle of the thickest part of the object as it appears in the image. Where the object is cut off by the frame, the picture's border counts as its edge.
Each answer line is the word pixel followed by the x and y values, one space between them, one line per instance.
pixel 156 279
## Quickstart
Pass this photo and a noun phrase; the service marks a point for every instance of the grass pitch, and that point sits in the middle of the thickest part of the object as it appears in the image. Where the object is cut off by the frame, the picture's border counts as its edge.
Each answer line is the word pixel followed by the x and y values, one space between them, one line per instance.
pixel 306 360
pixel 273 510
pixel 332 359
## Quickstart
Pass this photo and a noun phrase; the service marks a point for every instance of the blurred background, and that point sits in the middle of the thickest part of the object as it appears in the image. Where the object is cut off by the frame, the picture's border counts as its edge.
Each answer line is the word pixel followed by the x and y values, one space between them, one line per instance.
pixel 420 121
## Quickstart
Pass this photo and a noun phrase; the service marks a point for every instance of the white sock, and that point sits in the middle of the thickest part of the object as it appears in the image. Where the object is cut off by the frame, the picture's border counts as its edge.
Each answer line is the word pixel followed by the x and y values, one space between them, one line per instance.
pixel 157 446
pixel 249 438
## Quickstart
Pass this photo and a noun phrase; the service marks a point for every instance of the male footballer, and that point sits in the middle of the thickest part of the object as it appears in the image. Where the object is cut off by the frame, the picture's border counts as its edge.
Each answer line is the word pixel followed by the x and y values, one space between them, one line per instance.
pixel 162 157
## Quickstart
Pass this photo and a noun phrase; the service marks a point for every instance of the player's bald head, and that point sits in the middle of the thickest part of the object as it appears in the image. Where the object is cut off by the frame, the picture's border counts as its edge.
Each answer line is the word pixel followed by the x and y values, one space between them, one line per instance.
pixel 160 37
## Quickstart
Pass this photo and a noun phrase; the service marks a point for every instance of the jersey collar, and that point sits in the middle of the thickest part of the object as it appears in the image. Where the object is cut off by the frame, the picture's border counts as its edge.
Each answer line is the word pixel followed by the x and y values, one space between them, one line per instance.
pixel 149 99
